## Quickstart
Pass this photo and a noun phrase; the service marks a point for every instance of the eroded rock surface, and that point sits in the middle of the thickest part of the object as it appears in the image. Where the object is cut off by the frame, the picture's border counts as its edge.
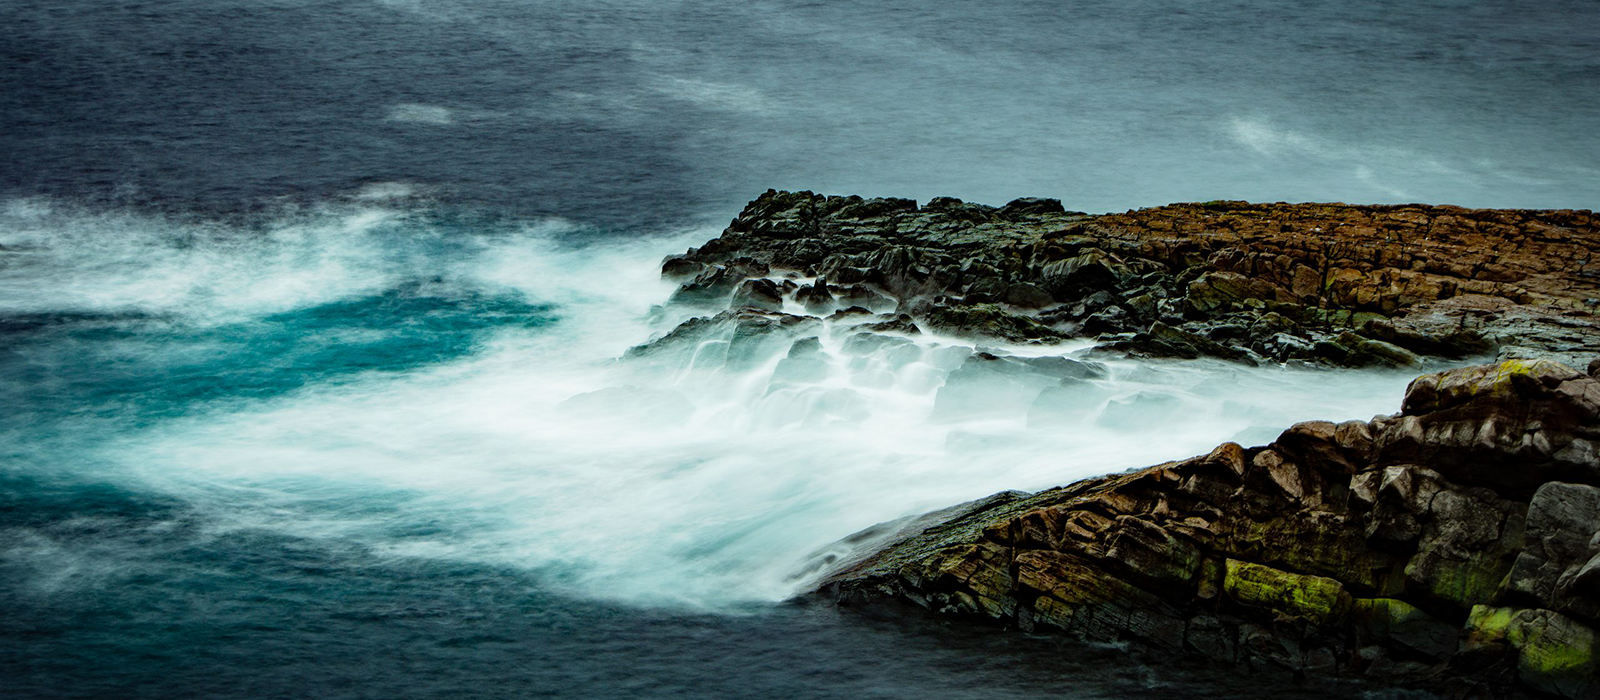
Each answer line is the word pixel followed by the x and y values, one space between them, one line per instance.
pixel 1319 283
pixel 1454 546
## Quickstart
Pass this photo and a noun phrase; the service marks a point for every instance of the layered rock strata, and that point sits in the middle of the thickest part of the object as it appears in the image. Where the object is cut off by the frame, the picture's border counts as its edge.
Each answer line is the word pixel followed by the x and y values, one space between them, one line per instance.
pixel 1318 283
pixel 1454 545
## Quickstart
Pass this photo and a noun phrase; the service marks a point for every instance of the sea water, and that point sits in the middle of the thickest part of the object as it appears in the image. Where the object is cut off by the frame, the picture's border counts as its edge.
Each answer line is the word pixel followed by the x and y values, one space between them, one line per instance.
pixel 310 319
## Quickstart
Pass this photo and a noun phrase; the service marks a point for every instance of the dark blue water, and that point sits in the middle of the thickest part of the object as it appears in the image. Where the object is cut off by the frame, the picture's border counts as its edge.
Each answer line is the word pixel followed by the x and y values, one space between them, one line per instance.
pixel 295 298
pixel 643 113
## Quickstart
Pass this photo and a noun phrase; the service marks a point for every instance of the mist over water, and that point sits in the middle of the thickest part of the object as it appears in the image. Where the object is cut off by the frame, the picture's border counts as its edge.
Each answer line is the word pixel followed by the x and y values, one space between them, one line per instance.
pixel 311 318
pixel 251 459
pixel 366 374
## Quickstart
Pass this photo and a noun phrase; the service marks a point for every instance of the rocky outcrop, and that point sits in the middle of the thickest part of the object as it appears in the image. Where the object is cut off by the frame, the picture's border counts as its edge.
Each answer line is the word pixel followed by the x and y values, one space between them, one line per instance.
pixel 1320 283
pixel 1454 546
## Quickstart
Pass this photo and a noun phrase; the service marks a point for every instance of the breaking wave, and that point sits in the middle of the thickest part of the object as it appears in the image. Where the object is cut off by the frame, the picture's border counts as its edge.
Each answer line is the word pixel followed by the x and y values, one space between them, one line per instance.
pixel 429 386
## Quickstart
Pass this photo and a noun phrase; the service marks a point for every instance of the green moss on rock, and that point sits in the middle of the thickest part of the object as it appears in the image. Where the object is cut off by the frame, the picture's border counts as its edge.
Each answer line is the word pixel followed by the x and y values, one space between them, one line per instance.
pixel 1316 598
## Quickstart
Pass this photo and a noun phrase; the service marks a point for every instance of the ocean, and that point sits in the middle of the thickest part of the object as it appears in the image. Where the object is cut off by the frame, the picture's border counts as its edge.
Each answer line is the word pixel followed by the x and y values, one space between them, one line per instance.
pixel 310 312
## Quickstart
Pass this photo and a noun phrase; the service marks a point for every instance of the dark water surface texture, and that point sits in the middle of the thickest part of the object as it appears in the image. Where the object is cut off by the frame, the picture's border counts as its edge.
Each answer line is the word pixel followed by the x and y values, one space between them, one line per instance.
pixel 307 313
pixel 643 112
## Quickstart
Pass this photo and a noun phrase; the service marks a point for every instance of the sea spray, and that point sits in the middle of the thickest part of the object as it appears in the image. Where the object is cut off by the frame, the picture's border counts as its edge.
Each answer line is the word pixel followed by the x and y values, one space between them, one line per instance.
pixel 672 475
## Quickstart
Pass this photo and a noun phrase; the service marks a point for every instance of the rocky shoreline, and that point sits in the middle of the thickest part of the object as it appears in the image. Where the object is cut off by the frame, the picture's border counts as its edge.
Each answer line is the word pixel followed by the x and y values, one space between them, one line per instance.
pixel 1325 284
pixel 1454 546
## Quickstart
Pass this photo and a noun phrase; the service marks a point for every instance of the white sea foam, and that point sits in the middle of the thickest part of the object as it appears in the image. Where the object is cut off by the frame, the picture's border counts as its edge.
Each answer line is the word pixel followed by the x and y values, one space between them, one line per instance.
pixel 723 96
pixel 679 479
pixel 421 114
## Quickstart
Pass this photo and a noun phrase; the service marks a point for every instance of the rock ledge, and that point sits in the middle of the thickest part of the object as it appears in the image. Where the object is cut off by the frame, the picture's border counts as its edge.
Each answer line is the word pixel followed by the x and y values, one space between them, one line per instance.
pixel 1453 546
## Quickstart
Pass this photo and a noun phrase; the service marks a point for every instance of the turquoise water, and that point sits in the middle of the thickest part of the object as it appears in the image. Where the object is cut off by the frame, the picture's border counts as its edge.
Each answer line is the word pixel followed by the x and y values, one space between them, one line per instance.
pixel 310 312
pixel 371 450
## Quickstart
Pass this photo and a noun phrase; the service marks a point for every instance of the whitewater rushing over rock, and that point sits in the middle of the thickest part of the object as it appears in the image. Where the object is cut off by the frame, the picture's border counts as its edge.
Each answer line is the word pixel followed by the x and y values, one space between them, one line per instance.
pixel 699 476
pixel 406 349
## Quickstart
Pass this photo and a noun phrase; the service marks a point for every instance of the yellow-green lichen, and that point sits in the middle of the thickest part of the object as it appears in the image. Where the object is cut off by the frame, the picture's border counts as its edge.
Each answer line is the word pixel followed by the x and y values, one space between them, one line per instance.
pixel 1555 653
pixel 1315 598
pixel 1487 624
pixel 1461 582
pixel 1381 614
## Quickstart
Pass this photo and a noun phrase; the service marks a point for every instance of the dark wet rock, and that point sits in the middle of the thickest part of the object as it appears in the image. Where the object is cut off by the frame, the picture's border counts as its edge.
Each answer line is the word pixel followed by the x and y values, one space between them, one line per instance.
pixel 1090 271
pixel 856 295
pixel 677 267
pixel 1224 291
pixel 1560 566
pixel 710 288
pixel 1026 207
pixel 1454 546
pixel 989 321
pixel 816 298
pixel 850 313
pixel 1366 352
pixel 901 323
pixel 1024 295
pixel 1312 283
pixel 736 339
pixel 758 294
pixel 1164 341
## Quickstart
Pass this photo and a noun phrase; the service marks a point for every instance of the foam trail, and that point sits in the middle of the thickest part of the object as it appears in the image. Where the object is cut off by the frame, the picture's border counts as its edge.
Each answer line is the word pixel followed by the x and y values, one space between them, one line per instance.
pixel 694 476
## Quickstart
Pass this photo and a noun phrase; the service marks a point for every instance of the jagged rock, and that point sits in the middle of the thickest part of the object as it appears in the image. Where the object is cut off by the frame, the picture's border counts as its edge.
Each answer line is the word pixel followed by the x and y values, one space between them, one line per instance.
pixel 1350 548
pixel 1559 569
pixel 989 321
pixel 1513 425
pixel 734 339
pixel 816 297
pixel 1330 284
pixel 1089 271
pixel 1397 623
pixel 1031 206
pixel 677 267
pixel 1221 291
pixel 901 323
pixel 858 296
pixel 849 313
pixel 1026 296
pixel 758 294
pixel 1553 653
pixel 1163 341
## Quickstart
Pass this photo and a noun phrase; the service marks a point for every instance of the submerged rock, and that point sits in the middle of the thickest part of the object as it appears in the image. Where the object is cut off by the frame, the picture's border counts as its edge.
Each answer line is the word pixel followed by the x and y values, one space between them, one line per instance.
pixel 1454 546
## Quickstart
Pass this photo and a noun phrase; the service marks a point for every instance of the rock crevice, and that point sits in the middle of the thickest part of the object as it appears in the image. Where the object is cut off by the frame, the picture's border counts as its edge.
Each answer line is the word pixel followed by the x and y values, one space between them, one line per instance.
pixel 1454 545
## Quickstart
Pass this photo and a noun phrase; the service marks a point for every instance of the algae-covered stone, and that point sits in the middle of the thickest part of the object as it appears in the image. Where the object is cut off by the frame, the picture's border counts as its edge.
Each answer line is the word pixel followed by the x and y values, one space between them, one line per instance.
pixel 1555 653
pixel 1397 621
pixel 1316 598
